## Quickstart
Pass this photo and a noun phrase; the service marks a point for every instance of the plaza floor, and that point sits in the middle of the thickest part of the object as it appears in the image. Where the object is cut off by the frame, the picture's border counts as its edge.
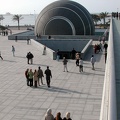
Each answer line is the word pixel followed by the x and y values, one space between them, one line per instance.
pixel 74 92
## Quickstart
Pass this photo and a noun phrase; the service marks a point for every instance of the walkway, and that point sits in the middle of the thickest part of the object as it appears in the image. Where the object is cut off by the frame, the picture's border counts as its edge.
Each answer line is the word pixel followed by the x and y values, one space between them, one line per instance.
pixel 78 93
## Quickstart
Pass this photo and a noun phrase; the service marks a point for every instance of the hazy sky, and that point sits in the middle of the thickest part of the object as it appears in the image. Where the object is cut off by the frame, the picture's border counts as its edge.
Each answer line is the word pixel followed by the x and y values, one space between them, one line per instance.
pixel 35 6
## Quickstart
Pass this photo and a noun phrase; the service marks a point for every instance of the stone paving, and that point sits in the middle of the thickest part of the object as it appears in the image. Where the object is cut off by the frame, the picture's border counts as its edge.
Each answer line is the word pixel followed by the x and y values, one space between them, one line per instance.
pixel 78 93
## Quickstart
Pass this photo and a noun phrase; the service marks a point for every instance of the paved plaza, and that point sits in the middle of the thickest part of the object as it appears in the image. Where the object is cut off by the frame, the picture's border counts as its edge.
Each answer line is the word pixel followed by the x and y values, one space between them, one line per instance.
pixel 74 92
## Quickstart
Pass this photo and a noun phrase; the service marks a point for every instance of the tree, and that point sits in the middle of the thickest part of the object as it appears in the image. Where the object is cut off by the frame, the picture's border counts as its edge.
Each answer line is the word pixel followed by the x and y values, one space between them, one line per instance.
pixel 17 18
pixel 103 15
pixel 96 18
pixel 2 27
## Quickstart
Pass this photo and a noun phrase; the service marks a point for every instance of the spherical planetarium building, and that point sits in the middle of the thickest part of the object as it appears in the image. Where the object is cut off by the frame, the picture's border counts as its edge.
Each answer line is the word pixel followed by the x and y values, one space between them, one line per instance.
pixel 64 17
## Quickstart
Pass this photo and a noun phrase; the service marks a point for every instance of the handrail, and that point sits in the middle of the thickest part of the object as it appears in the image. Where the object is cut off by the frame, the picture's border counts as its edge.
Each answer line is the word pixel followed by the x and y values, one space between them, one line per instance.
pixel 108 105
pixel 112 94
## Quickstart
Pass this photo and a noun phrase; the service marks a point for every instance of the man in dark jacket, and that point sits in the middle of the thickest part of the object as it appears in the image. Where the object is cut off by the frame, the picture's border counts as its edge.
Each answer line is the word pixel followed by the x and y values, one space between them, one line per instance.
pixel 105 46
pixel 73 52
pixel 30 57
pixel 48 76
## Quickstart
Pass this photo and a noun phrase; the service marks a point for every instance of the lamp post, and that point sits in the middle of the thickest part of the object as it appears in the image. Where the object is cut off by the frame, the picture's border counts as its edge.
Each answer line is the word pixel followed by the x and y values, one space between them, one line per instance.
pixel 117 13
pixel 34 15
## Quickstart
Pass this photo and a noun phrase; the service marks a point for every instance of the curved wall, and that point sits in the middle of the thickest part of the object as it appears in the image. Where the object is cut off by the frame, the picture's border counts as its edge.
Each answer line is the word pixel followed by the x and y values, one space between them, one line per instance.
pixel 64 18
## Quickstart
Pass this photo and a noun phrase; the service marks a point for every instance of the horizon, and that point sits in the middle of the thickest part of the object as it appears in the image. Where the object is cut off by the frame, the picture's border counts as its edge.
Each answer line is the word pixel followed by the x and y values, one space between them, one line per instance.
pixel 8 13
pixel 31 7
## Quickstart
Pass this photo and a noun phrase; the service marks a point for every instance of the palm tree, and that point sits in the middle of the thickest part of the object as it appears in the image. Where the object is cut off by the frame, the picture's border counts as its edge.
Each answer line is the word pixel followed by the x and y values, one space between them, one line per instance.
pixel 17 18
pixel 103 15
pixel 96 18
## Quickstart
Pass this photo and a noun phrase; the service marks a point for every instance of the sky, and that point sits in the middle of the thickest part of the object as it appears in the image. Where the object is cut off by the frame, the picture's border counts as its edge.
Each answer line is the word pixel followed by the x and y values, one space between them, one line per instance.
pixel 35 6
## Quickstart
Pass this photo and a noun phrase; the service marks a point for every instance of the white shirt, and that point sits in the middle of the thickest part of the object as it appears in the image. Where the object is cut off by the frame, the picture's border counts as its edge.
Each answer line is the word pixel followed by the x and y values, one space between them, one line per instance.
pixel 81 62
pixel 93 60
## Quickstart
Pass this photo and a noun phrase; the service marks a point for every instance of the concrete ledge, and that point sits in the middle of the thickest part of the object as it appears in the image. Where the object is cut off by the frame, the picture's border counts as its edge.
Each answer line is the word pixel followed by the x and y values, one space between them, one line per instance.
pixel 22 35
pixel 108 105
pixel 40 47
pixel 46 37
pixel 86 49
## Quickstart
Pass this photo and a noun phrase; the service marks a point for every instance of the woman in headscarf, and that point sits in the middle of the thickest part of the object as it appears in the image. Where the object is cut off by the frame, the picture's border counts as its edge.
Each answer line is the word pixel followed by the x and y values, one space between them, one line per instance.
pixel 58 116
pixel 67 116
pixel 49 115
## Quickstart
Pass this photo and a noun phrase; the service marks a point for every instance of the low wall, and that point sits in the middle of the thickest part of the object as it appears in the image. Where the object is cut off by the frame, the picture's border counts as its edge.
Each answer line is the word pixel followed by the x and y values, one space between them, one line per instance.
pixel 86 49
pixel 40 47
pixel 46 37
pixel 52 54
pixel 22 35
pixel 108 105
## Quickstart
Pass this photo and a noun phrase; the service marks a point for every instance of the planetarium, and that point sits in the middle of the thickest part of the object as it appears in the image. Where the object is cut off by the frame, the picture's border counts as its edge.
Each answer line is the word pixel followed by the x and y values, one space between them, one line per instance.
pixel 62 25
pixel 64 17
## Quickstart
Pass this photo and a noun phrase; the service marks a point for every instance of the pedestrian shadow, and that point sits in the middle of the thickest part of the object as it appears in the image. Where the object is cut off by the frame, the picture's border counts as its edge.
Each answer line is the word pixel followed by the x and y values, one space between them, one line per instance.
pixel 88 73
pixel 96 68
pixel 9 60
pixel 40 65
pixel 58 89
pixel 20 57
pixel 99 69
pixel 73 72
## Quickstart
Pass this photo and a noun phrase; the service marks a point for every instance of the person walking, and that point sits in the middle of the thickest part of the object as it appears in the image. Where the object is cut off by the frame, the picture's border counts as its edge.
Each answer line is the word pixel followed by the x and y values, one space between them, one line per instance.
pixel 77 59
pixel 1 56
pixel 58 55
pixel 73 52
pixel 105 56
pixel 67 116
pixel 105 46
pixel 44 50
pixel 15 38
pixel 27 76
pixel 28 40
pixel 48 76
pixel 31 74
pixel 81 65
pixel 49 115
pixel 29 57
pixel 65 64
pixel 40 75
pixel 93 60
pixel 13 50
pixel 35 78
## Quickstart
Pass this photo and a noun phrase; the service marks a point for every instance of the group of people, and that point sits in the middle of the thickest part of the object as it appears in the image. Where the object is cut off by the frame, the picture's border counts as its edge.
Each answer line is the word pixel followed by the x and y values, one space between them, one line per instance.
pixel 73 54
pixel 49 116
pixel 4 32
pixel 97 48
pixel 79 62
pixel 35 78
